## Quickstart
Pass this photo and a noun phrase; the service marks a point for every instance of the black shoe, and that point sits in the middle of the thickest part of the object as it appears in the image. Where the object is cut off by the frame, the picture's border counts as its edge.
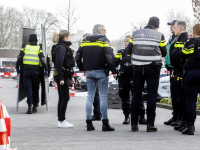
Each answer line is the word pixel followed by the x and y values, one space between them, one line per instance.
pixel 182 128
pixel 134 128
pixel 90 126
pixel 95 118
pixel 34 108
pixel 29 109
pixel 189 130
pixel 142 121
pixel 126 121
pixel 106 126
pixel 181 124
pixel 43 103
pixel 151 128
pixel 176 123
pixel 170 121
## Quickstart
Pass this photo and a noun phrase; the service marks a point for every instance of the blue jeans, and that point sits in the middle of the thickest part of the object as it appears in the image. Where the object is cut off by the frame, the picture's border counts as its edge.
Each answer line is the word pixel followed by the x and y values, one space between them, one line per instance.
pixel 93 78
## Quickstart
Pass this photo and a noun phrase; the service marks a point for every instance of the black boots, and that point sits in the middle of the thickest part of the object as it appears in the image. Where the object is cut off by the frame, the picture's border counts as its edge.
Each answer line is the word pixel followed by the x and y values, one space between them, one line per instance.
pixel 142 120
pixel 151 128
pixel 29 109
pixel 173 119
pixel 126 120
pixel 89 126
pixel 189 129
pixel 34 108
pixel 176 123
pixel 106 126
pixel 180 125
pixel 134 128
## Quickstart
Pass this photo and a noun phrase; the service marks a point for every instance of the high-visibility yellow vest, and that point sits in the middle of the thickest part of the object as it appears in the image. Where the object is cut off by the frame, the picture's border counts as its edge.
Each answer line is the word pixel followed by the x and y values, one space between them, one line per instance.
pixel 31 55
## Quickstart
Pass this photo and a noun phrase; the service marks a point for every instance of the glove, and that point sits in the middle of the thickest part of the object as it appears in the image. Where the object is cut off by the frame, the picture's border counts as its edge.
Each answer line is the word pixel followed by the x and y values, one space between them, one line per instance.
pixel 46 73
pixel 18 71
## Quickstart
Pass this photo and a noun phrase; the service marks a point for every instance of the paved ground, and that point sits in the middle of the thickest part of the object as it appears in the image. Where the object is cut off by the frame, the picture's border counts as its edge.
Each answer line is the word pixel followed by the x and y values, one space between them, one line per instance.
pixel 39 131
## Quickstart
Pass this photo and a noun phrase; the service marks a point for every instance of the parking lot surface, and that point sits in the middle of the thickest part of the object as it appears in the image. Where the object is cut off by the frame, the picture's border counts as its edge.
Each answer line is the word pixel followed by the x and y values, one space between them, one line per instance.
pixel 39 131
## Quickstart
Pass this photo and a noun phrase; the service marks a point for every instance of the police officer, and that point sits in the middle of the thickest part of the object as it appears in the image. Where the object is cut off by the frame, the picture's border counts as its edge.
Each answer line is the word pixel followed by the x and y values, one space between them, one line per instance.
pixel 31 55
pixel 125 75
pixel 146 47
pixel 63 59
pixel 191 52
pixel 168 65
pixel 42 81
pixel 177 74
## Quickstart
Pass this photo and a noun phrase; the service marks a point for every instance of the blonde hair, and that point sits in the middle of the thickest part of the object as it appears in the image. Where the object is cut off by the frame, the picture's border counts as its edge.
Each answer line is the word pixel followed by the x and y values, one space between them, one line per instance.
pixel 58 37
pixel 129 36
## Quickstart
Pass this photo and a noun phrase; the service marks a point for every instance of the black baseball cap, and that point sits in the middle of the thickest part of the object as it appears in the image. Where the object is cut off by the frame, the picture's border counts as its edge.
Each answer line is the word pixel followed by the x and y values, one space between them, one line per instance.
pixel 171 23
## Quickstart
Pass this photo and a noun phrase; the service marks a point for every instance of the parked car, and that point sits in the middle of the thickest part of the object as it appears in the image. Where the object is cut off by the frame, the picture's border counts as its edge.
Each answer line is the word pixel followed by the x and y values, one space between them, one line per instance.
pixel 81 82
pixel 163 88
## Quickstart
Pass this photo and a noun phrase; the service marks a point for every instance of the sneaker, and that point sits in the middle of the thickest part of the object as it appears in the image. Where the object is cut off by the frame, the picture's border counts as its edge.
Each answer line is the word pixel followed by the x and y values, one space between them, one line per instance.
pixel 64 124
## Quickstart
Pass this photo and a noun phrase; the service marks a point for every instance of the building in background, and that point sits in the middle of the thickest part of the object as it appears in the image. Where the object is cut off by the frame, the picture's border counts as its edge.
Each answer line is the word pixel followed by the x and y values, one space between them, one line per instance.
pixel 8 57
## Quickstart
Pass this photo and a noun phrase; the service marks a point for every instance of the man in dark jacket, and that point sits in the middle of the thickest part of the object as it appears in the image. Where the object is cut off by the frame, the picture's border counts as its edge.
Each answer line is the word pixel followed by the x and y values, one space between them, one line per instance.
pixel 96 111
pixel 147 47
pixel 177 75
pixel 168 65
pixel 31 55
pixel 96 53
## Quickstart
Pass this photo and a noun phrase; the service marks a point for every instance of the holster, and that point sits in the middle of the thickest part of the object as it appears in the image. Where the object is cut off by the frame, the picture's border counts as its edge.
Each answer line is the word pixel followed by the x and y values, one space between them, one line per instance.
pixel 68 72
pixel 157 66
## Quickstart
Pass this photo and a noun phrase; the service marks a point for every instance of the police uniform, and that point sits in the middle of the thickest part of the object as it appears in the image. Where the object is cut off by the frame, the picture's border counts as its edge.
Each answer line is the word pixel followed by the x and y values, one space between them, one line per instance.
pixel 42 81
pixel 31 55
pixel 176 79
pixel 146 47
pixel 125 85
pixel 191 52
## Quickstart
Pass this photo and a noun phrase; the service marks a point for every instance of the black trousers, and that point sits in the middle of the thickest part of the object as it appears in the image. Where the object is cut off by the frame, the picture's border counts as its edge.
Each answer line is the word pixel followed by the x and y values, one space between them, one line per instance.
pixel 192 86
pixel 141 74
pixel 31 85
pixel 63 98
pixel 178 95
pixel 96 104
pixel 125 88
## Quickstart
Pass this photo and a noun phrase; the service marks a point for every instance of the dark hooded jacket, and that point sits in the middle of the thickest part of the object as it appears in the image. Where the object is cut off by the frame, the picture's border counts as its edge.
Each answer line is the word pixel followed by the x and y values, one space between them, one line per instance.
pixel 96 52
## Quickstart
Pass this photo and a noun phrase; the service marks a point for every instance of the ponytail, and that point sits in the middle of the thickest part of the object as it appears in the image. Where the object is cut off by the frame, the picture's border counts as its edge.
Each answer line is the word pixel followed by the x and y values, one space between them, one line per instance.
pixel 58 37
pixel 55 38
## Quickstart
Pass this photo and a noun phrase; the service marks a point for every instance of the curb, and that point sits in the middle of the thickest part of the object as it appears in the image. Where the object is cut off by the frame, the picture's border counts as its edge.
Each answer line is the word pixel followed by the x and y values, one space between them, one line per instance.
pixel 165 106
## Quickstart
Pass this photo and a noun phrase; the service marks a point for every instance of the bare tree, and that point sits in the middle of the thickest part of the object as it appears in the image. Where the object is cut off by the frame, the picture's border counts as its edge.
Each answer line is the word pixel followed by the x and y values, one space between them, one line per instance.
pixel 196 9
pixel 70 14
pixel 35 17
pixel 138 25
pixel 9 27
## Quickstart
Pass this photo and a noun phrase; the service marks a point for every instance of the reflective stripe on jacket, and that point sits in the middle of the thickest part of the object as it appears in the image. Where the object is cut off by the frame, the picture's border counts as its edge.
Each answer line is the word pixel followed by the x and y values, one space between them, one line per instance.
pixel 31 55
pixel 146 46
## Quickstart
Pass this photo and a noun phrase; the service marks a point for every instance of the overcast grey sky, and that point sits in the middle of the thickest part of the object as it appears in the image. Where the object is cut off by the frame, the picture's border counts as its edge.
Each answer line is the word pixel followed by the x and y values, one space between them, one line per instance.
pixel 116 15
